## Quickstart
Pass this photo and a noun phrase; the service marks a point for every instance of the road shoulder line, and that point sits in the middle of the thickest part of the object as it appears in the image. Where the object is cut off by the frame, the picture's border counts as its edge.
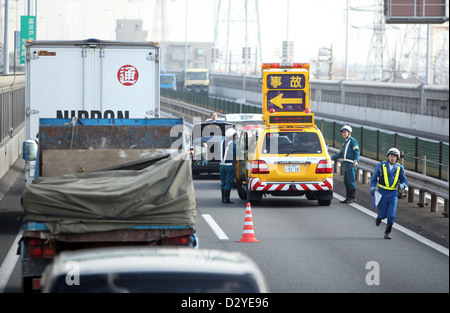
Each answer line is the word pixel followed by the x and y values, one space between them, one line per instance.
pixel 215 227
pixel 404 230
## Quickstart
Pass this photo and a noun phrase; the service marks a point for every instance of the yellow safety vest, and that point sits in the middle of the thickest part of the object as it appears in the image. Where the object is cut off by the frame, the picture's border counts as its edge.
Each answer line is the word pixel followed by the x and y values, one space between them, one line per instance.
pixel 386 179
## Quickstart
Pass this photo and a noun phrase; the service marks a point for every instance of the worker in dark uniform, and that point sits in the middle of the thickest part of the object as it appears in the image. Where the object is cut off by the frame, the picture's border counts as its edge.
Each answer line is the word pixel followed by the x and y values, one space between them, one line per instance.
pixel 229 154
pixel 213 116
pixel 350 153
pixel 389 175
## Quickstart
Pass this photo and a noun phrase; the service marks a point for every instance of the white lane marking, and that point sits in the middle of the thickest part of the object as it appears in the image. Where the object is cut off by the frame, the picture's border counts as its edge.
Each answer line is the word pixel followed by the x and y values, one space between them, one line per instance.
pixel 404 230
pixel 9 263
pixel 215 227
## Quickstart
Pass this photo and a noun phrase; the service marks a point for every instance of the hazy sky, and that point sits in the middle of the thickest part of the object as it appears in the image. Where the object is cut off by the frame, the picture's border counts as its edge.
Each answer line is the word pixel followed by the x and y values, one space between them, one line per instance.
pixel 312 24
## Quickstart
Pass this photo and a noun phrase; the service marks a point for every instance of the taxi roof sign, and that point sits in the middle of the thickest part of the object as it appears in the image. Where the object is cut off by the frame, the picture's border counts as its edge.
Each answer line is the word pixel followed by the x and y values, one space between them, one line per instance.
pixel 286 94
pixel 285 65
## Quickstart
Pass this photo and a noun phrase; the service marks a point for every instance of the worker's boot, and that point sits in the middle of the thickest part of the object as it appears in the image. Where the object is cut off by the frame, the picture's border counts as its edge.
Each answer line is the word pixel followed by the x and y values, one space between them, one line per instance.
pixel 346 197
pixel 378 221
pixel 352 195
pixel 387 232
pixel 227 196
pixel 223 195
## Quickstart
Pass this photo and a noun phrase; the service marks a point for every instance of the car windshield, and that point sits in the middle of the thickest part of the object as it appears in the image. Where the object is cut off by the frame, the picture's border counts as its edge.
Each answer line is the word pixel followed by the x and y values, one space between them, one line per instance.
pixel 167 80
pixel 196 75
pixel 292 143
pixel 159 283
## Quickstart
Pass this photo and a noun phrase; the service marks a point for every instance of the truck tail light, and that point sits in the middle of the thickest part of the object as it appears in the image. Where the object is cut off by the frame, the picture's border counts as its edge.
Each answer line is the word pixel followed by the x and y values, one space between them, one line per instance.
pixel 177 241
pixel 259 167
pixel 36 284
pixel 39 248
pixel 324 167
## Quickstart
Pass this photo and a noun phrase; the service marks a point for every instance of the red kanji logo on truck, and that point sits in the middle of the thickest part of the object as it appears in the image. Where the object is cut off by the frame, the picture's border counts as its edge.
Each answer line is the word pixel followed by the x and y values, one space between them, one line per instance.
pixel 128 75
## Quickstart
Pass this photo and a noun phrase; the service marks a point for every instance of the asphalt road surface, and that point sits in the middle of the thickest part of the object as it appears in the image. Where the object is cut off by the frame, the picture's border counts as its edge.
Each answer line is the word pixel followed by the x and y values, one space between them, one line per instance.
pixel 309 248
pixel 303 247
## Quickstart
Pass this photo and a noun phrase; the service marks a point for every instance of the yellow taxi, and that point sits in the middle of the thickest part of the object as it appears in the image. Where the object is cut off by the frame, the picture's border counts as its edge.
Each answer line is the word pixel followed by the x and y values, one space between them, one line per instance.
pixel 286 155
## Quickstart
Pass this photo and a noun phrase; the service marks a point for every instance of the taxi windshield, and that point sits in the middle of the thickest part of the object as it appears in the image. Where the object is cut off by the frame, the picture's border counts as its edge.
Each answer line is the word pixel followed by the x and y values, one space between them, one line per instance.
pixel 196 75
pixel 292 143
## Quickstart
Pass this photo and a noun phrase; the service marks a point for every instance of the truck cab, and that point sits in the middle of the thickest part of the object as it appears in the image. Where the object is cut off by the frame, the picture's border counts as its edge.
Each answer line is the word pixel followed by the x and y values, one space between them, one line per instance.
pixel 287 154
pixel 168 81
pixel 195 80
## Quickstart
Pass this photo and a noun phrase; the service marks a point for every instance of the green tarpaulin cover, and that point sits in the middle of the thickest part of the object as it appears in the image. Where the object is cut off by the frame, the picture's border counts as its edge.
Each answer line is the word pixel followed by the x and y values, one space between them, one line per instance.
pixel 161 193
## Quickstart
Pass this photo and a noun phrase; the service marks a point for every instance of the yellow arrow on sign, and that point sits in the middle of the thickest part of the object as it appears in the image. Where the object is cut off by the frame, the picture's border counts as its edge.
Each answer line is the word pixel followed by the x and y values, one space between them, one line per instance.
pixel 279 101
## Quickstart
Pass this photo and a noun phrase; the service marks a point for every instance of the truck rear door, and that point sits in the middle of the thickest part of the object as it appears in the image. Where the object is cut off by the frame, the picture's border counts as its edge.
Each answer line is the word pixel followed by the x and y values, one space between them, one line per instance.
pixel 91 79
pixel 130 80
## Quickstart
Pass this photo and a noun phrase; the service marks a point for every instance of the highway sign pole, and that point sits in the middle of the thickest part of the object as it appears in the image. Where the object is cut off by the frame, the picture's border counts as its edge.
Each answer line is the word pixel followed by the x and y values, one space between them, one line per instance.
pixel 5 41
pixel 27 32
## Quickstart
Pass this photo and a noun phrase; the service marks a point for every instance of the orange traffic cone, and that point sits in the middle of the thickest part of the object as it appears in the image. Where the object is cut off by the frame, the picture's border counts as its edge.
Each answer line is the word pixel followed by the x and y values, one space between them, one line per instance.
pixel 249 232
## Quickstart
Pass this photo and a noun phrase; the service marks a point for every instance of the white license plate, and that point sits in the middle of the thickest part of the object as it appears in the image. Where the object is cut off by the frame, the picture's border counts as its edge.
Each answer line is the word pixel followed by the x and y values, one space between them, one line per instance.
pixel 292 168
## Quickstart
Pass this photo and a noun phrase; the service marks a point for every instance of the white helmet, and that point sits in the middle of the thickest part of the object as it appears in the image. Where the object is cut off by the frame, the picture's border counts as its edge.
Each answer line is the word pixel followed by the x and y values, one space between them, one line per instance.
pixel 394 151
pixel 230 132
pixel 347 128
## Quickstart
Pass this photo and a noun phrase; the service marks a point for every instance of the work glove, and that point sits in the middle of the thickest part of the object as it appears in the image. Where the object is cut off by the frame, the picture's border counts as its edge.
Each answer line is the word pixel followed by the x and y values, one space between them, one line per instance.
pixel 355 163
pixel 372 191
pixel 401 186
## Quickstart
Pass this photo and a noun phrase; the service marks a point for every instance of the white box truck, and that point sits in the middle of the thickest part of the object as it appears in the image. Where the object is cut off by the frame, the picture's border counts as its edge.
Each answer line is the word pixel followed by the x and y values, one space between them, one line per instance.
pixel 90 79
pixel 93 122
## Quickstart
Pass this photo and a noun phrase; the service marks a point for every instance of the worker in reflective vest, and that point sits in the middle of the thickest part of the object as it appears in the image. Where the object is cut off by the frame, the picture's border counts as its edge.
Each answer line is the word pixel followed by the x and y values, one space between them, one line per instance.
pixel 350 153
pixel 389 175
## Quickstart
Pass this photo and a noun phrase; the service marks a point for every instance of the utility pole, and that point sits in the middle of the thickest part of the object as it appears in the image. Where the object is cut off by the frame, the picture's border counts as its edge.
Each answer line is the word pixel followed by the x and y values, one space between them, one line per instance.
pixel 346 44
pixel 230 15
pixel 375 59
pixel 287 33
pixel 5 41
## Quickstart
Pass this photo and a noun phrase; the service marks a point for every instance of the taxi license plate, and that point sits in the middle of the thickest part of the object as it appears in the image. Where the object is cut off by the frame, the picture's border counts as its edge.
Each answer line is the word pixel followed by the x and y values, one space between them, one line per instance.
pixel 292 168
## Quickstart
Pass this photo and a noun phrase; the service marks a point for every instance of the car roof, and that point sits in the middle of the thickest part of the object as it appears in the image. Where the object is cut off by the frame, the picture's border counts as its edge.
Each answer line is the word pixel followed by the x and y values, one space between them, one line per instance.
pixel 244 117
pixel 282 129
pixel 150 259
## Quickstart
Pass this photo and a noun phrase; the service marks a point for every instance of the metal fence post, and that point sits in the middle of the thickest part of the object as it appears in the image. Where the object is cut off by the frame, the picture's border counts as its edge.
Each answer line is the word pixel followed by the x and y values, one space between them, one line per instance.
pixel 334 134
pixel 440 160
pixel 416 154
pixel 378 144
pixel 362 142
pixel 424 165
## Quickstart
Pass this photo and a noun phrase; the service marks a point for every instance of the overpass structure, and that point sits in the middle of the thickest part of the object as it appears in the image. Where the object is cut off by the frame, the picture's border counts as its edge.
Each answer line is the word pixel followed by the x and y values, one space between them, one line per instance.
pixel 420 108
pixel 400 107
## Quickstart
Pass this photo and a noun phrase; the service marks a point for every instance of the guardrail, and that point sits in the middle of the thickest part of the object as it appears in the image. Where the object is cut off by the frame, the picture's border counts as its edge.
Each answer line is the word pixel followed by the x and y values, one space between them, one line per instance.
pixel 373 142
pixel 421 155
pixel 12 105
pixel 428 100
pixel 425 184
